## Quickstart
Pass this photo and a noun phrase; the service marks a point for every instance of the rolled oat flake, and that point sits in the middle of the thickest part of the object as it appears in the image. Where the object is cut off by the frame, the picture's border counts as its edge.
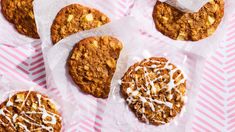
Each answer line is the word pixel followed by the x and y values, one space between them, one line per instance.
pixel 187 5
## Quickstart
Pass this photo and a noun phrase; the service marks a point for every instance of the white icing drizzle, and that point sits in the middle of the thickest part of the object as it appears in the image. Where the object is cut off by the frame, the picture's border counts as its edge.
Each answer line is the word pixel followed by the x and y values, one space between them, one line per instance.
pixel 14 117
pixel 41 110
pixel 149 87
pixel 23 126
pixel 9 103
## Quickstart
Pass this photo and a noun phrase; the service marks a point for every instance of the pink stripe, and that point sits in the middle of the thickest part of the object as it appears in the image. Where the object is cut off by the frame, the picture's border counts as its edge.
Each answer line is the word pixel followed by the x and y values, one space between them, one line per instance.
pixel 37 66
pixel 40 77
pixel 42 83
pixel 86 124
pixel 218 82
pixel 231 54
pixel 8 60
pixel 21 53
pixel 94 104
pixel 232 26
pixel 37 61
pixel 37 55
pixel 23 70
pixel 230 85
pixel 230 66
pixel 91 112
pixel 37 46
pixel 231 127
pixel 215 67
pixel 219 53
pixel 9 74
pixel 84 129
pixel 216 60
pixel 122 4
pixel 121 12
pixel 210 117
pixel 212 91
pixel 195 129
pixel 231 98
pixel 73 124
pixel 230 45
pixel 95 122
pixel 97 130
pixel 231 109
pixel 38 71
pixel 15 57
pixel 231 117
pixel 232 120
pixel 212 111
pixel 73 129
pixel 38 50
pixel 231 104
pixel 218 101
pixel 206 123
pixel 217 87
pixel 230 61
pixel 231 33
pixel 231 71
pixel 95 126
pixel 212 105
pixel 214 73
pixel 14 71
pixel 98 117
pixel 201 127
pixel 230 48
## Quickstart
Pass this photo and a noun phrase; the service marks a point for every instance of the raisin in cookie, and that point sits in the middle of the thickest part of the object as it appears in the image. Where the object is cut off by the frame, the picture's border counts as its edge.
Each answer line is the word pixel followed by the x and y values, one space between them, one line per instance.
pixel 93 62
pixel 188 26
pixel 74 18
pixel 20 14
pixel 29 111
pixel 154 90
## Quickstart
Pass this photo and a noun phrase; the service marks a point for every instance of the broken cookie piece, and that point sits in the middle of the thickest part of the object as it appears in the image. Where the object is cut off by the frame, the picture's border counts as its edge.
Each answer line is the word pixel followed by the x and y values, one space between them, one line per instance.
pixel 20 14
pixel 75 18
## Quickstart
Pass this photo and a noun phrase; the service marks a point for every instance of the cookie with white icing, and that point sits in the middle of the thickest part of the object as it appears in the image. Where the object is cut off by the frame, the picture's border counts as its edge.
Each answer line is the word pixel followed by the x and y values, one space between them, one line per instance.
pixel 29 111
pixel 154 89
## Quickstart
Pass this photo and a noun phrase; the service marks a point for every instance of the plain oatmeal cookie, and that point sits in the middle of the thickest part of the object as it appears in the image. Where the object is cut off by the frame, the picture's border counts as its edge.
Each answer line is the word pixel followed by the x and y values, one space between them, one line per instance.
pixel 92 64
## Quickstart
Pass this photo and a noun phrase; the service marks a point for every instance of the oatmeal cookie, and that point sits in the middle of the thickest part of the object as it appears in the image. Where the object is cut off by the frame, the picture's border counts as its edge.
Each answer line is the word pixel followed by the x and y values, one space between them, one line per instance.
pixel 74 18
pixel 20 14
pixel 93 62
pixel 29 111
pixel 154 89
pixel 188 26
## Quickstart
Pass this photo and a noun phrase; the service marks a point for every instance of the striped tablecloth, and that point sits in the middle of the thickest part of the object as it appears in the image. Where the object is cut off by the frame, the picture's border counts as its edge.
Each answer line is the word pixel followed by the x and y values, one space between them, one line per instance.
pixel 215 108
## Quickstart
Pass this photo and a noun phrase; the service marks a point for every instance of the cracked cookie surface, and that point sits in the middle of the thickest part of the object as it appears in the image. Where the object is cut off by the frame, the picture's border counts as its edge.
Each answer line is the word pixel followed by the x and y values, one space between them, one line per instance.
pixel 188 26
pixel 29 111
pixel 20 14
pixel 154 89
pixel 75 18
pixel 92 64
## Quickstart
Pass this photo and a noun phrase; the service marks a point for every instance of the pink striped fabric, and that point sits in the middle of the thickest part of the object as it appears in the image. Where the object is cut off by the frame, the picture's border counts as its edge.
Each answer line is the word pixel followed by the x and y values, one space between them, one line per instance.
pixel 215 108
